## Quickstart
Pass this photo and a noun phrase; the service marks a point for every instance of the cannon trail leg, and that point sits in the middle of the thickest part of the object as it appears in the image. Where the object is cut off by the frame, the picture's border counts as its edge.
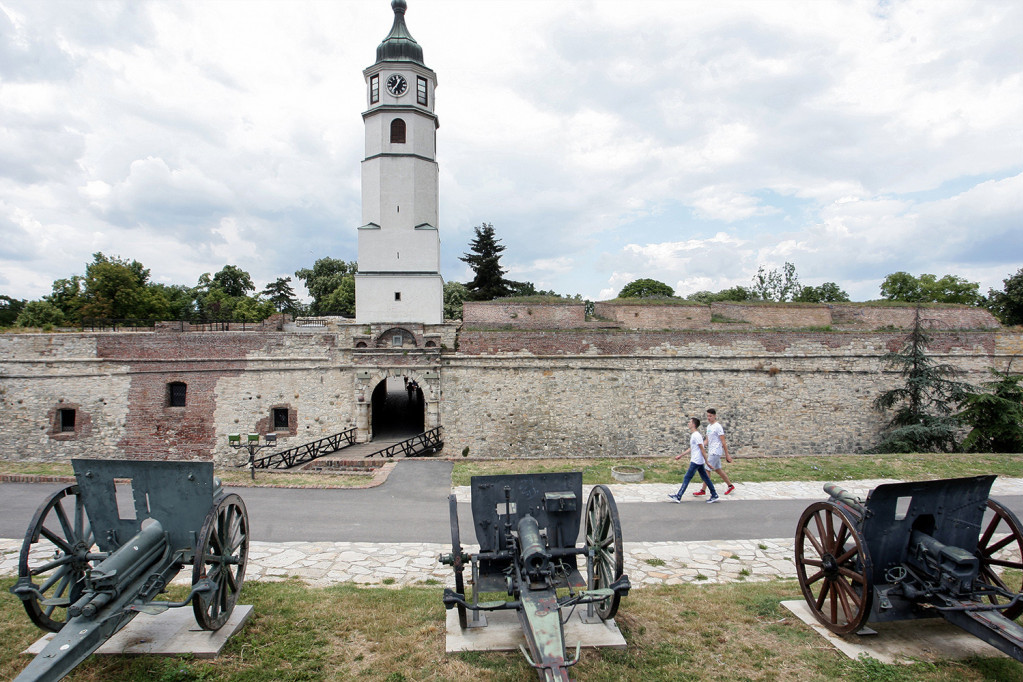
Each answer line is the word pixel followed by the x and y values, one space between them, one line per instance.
pixel 1003 532
pixel 57 551
pixel 220 557
pixel 833 568
pixel 540 618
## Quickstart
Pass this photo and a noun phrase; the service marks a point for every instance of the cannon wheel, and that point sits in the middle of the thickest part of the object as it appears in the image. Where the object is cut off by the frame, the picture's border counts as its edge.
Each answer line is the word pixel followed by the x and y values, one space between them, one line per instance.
pixel 833 568
pixel 604 537
pixel 55 556
pixel 220 555
pixel 1001 532
pixel 456 554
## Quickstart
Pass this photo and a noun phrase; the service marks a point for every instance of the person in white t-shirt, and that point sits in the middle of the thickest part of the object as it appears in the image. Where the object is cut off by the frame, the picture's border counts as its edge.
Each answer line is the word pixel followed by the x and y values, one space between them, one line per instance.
pixel 716 446
pixel 696 463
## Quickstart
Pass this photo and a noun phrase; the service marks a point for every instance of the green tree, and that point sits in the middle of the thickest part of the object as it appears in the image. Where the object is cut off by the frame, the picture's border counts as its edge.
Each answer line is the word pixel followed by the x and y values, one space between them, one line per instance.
pixel 9 310
pixel 485 261
pixel 281 295
pixel 646 288
pixel 927 288
pixel 454 296
pixel 40 314
pixel 736 293
pixel 341 301
pixel 923 408
pixel 66 295
pixel 829 292
pixel 775 285
pixel 995 415
pixel 325 277
pixel 1007 304
pixel 115 288
pixel 233 281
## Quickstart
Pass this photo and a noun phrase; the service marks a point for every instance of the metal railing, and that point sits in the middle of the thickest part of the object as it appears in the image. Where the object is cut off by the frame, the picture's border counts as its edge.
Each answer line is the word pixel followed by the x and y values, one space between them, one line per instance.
pixel 417 446
pixel 285 459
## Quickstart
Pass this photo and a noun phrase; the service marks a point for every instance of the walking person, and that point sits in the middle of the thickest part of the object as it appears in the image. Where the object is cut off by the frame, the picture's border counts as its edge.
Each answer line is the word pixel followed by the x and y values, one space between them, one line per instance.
pixel 696 463
pixel 716 446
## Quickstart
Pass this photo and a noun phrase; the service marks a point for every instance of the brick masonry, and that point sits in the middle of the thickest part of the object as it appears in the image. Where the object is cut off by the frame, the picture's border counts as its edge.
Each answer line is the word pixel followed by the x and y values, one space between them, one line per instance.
pixel 510 393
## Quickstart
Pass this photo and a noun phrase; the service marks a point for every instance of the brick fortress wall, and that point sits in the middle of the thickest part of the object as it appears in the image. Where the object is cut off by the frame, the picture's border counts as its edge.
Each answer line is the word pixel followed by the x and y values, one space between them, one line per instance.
pixel 512 393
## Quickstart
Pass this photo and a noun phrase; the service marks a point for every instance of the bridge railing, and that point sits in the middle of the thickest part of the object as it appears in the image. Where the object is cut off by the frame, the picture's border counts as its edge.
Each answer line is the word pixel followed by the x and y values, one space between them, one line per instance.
pixel 285 459
pixel 417 446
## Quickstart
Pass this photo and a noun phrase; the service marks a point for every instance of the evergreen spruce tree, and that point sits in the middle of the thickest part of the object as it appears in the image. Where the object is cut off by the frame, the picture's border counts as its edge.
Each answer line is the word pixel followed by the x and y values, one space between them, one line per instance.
pixel 995 415
pixel 485 260
pixel 923 409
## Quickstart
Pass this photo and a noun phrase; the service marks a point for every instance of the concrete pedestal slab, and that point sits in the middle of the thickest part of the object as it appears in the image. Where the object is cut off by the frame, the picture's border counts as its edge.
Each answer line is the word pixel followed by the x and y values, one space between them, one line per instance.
pixel 904 641
pixel 171 633
pixel 504 633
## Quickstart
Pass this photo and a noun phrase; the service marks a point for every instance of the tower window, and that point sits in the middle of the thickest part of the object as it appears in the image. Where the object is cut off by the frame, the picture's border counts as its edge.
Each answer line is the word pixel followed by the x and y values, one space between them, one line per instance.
pixel 176 394
pixel 280 419
pixel 421 90
pixel 397 295
pixel 66 420
pixel 398 131
pixel 374 89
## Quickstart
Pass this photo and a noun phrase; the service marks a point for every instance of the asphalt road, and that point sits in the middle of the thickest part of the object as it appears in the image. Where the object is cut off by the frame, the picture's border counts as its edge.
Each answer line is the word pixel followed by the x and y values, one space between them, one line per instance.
pixel 412 506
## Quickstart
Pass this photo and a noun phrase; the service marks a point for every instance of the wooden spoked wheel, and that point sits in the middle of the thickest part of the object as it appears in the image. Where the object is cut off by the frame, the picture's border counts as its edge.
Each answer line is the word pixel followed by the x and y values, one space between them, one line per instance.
pixel 58 549
pixel 604 537
pixel 1002 532
pixel 457 563
pixel 833 568
pixel 220 555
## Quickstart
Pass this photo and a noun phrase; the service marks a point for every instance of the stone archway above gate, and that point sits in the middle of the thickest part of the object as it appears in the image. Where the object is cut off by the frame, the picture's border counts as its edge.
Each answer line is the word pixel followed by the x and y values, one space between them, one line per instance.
pixel 396 337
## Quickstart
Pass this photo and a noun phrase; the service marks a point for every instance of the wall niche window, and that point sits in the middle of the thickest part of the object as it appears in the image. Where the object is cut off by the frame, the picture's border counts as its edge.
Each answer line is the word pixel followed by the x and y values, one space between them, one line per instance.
pixel 177 393
pixel 397 131
pixel 374 89
pixel 66 420
pixel 421 90
pixel 280 419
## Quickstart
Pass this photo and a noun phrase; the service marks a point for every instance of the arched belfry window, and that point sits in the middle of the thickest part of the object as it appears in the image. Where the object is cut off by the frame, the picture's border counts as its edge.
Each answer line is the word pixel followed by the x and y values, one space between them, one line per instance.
pixel 398 131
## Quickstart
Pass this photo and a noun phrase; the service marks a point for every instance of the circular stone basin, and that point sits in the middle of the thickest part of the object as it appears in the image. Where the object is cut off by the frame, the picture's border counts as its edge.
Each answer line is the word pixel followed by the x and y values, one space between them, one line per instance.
pixel 627 474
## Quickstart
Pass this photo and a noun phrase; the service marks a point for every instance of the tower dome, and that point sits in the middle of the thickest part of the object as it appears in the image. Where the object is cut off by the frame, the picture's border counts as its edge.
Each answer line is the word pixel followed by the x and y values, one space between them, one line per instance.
pixel 399 45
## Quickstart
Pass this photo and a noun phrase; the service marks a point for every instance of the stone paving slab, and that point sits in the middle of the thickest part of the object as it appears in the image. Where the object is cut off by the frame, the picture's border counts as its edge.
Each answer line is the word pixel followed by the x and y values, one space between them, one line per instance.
pixel 503 632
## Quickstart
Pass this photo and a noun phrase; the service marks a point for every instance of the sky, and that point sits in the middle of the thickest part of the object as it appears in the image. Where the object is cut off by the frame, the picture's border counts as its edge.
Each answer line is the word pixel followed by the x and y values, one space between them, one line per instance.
pixel 688 142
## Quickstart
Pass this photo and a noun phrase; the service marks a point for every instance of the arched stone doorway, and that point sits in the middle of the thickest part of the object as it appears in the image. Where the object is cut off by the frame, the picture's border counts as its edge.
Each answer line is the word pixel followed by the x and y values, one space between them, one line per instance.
pixel 397 408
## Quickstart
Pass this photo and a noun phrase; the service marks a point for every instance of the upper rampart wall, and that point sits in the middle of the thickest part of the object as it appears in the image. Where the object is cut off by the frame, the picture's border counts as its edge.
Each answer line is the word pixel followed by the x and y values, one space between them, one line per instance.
pixel 516 314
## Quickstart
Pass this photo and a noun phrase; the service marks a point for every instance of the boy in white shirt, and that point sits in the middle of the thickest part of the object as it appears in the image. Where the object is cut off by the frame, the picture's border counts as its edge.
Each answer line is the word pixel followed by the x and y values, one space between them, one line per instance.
pixel 696 463
pixel 716 446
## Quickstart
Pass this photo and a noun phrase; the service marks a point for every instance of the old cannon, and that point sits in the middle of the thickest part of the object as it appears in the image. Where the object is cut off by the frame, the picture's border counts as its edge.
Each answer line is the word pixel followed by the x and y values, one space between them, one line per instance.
pixel 915 550
pixel 526 526
pixel 98 552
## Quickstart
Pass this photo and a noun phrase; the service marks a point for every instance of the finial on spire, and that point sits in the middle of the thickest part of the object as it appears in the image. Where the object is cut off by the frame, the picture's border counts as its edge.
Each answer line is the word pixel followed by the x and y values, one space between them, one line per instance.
pixel 399 6
pixel 399 45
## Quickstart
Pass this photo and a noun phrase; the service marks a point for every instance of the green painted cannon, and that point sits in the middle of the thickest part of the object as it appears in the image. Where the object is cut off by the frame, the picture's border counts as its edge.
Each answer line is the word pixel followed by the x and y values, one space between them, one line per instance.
pixel 98 553
pixel 915 550
pixel 527 525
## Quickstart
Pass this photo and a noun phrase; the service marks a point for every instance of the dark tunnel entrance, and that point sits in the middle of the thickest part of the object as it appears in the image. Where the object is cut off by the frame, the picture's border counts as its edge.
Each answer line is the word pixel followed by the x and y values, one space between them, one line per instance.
pixel 398 409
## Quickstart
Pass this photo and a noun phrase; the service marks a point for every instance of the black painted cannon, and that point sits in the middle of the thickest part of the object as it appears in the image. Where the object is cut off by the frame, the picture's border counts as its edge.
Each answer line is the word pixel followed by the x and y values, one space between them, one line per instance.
pixel 526 526
pixel 915 550
pixel 97 553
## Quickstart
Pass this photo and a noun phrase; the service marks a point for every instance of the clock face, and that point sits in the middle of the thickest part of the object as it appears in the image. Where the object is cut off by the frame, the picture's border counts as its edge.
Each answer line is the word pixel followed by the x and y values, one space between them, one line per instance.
pixel 397 85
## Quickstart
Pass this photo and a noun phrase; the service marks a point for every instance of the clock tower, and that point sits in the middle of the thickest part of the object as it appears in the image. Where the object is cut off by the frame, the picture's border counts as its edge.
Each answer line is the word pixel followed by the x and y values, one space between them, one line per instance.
pixel 399 244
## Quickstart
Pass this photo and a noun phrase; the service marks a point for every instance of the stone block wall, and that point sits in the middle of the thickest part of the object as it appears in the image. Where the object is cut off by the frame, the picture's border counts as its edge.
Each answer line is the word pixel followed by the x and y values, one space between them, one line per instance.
pixel 778 316
pixel 881 317
pixel 655 316
pixel 529 315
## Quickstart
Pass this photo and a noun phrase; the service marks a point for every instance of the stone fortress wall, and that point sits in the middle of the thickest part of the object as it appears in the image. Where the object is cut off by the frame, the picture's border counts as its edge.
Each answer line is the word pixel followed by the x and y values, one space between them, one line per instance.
pixel 539 392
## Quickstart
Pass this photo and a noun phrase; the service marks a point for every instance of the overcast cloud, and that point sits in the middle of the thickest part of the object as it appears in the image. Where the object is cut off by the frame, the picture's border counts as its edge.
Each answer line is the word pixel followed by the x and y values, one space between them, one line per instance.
pixel 690 142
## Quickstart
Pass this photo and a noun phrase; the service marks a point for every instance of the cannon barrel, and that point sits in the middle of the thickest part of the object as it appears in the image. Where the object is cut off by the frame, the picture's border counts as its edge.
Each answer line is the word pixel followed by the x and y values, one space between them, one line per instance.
pixel 844 496
pixel 535 556
pixel 115 572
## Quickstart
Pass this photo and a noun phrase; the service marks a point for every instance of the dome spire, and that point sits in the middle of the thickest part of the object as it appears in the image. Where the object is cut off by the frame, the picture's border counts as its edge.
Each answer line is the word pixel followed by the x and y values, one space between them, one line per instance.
pixel 399 45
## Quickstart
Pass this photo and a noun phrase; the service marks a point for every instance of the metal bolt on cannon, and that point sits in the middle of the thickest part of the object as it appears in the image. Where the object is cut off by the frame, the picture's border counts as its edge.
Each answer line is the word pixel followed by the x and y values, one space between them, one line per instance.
pixel 526 526
pixel 915 550
pixel 98 552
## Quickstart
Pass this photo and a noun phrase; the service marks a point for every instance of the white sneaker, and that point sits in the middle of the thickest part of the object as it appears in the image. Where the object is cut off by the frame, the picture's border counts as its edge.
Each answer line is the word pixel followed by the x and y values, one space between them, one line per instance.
pixel 674 499
pixel 713 500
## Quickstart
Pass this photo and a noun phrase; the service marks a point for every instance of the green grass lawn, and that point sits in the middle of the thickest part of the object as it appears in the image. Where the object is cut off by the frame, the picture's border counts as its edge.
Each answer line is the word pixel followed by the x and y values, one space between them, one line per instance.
pixel 690 632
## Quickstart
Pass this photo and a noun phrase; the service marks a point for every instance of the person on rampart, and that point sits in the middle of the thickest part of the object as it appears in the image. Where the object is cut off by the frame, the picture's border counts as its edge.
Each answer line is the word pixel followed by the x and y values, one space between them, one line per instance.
pixel 696 463
pixel 716 446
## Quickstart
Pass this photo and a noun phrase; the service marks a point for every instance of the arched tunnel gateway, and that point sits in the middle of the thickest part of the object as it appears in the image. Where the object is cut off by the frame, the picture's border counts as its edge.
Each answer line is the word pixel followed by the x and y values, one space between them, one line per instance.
pixel 398 408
